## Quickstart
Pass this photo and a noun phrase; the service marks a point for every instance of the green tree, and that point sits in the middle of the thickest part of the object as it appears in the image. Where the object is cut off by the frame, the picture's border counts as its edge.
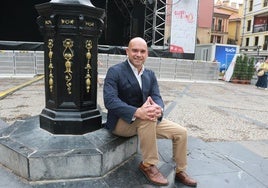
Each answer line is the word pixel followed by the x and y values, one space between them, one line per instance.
pixel 244 68
pixel 237 68
pixel 251 69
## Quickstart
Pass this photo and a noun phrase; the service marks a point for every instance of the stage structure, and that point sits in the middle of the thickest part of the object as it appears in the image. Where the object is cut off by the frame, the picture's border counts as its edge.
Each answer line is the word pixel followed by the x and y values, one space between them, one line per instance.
pixel 168 26
pixel 125 19
pixel 154 19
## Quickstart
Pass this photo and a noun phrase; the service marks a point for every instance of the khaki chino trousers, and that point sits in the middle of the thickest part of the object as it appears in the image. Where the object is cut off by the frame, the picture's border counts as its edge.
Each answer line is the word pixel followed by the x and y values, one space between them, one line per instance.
pixel 149 131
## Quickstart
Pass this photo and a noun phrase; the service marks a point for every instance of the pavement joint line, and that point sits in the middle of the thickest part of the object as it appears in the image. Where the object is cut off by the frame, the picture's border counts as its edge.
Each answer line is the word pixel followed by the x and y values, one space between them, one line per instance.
pixel 3 94
pixel 191 81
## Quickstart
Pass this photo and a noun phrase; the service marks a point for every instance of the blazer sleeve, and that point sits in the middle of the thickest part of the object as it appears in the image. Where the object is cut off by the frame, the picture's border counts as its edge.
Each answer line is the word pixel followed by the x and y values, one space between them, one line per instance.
pixel 112 102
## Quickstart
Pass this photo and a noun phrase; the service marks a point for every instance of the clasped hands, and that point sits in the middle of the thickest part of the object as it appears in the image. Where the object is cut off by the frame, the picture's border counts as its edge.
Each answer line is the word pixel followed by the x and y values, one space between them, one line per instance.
pixel 149 110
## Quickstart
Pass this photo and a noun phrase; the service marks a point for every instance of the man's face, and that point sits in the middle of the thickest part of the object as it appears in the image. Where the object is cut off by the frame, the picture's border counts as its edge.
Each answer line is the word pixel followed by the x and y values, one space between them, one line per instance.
pixel 137 52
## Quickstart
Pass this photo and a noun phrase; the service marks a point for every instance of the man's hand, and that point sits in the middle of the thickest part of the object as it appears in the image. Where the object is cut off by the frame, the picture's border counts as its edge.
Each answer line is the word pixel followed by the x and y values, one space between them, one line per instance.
pixel 158 109
pixel 149 111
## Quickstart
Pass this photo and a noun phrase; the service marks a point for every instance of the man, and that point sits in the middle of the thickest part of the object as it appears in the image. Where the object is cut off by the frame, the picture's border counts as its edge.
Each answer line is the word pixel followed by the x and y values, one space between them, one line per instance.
pixel 135 107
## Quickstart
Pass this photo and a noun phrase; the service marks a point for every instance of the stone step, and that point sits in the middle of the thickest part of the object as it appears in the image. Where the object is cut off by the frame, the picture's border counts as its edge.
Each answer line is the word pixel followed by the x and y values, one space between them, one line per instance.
pixel 3 124
pixel 37 155
pixel 125 175
pixel 96 159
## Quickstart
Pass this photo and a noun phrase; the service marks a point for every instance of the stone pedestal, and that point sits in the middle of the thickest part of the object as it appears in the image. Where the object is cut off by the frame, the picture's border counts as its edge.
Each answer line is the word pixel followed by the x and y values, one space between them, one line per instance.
pixel 36 155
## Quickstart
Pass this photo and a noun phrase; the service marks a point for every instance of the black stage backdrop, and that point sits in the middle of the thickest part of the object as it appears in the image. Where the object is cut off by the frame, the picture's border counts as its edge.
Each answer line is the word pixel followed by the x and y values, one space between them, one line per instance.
pixel 19 29
pixel 18 22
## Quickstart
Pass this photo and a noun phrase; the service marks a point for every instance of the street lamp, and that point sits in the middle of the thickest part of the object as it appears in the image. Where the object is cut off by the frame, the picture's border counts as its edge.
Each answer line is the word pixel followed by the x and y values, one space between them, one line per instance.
pixel 258 50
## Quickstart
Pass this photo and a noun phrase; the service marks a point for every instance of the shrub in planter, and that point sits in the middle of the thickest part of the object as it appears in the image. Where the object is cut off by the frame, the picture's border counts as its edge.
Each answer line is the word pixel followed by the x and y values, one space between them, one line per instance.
pixel 244 68
pixel 251 69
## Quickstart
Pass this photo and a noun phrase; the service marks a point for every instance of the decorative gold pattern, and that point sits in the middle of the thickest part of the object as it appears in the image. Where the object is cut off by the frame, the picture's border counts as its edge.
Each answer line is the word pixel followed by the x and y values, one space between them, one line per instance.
pixel 67 21
pixel 68 55
pixel 90 24
pixel 50 66
pixel 48 22
pixel 88 66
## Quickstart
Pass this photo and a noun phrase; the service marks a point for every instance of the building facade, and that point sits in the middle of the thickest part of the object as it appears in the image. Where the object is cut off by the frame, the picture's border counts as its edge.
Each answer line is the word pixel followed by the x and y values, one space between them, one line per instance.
pixel 205 13
pixel 226 23
pixel 254 32
pixel 219 28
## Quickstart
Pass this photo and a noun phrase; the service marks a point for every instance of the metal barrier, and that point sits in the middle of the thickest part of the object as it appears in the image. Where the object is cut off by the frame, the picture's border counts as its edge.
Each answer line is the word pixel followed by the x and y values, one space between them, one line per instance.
pixel 167 68
pixel 7 63
pixel 24 62
pixel 16 63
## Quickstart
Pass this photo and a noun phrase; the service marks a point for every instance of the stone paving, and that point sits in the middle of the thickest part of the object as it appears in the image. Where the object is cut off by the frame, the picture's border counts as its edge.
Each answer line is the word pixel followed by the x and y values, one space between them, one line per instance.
pixel 218 111
pixel 212 111
pixel 227 126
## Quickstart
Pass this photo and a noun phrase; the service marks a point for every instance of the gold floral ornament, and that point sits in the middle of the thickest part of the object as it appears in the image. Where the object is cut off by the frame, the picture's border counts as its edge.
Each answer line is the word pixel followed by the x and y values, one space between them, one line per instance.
pixel 68 55
pixel 88 66
pixel 50 66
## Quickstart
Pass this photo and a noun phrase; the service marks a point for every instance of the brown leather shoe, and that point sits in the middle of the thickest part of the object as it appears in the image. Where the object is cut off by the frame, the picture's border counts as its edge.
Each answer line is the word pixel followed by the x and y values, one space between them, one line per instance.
pixel 185 179
pixel 153 175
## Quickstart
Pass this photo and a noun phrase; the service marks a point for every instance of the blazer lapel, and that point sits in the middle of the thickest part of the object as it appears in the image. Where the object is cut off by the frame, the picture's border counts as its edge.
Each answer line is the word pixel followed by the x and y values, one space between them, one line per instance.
pixel 131 77
pixel 146 85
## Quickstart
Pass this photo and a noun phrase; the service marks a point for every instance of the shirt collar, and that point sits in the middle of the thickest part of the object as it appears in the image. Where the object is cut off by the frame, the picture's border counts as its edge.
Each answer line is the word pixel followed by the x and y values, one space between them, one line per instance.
pixel 134 69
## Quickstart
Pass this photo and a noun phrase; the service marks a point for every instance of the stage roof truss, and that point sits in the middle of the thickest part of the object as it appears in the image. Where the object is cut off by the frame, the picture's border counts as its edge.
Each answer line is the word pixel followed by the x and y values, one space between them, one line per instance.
pixel 125 8
pixel 155 17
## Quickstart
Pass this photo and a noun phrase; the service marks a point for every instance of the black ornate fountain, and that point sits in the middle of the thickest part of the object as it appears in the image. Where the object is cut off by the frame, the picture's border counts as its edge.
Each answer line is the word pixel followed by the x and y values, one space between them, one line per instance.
pixel 71 30
pixel 66 146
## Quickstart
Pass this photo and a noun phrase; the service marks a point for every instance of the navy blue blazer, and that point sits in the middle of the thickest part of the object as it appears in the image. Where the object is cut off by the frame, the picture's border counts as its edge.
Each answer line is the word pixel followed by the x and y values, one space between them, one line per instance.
pixel 122 94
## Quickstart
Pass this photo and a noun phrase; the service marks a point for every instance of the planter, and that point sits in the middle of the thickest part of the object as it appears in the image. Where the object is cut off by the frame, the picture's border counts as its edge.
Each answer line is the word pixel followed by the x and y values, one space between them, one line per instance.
pixel 244 81
pixel 243 69
pixel 237 81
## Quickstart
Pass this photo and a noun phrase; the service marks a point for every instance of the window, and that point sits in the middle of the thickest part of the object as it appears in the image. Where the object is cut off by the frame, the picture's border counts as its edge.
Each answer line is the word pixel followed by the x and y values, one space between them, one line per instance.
pixel 212 39
pixel 260 24
pixel 213 24
pixel 250 5
pixel 215 39
pixel 249 25
pixel 247 41
pixel 218 39
pixel 265 45
pixel 256 41
pixel 219 25
pixel 265 3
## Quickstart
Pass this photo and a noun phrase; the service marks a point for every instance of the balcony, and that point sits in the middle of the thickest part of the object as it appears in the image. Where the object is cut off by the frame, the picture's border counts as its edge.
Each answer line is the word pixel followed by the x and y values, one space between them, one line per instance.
pixel 260 28
pixel 218 29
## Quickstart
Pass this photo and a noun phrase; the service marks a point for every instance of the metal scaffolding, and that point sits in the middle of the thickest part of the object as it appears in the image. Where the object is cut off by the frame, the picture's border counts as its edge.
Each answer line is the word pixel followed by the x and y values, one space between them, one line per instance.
pixel 154 19
pixel 154 26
